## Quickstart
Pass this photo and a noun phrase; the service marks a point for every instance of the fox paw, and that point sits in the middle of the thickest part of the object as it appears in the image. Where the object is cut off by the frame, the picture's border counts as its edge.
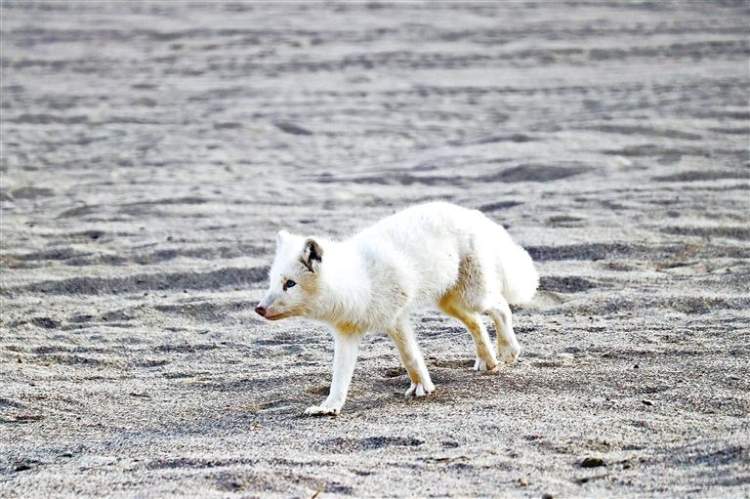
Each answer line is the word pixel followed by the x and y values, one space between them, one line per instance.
pixel 419 390
pixel 510 353
pixel 481 366
pixel 322 410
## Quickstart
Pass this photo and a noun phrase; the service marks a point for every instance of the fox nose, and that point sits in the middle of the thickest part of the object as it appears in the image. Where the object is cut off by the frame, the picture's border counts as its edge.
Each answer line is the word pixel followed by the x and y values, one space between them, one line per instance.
pixel 260 311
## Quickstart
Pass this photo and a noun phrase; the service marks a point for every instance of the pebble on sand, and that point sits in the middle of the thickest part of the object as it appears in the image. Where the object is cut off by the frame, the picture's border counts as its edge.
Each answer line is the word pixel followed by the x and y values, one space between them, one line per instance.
pixel 592 462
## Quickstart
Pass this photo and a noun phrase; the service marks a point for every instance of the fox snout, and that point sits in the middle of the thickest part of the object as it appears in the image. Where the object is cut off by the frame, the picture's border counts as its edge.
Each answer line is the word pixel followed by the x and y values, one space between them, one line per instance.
pixel 265 307
pixel 271 308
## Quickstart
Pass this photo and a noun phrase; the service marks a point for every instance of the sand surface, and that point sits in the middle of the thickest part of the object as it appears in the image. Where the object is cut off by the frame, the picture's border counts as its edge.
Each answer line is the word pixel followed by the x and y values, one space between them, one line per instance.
pixel 150 151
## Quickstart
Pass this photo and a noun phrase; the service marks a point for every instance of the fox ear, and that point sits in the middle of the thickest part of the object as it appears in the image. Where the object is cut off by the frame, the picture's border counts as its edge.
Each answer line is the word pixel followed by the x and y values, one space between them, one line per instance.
pixel 280 236
pixel 312 255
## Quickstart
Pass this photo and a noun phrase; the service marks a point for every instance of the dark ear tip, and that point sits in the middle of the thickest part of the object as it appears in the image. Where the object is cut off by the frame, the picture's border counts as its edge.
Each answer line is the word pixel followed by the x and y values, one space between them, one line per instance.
pixel 315 252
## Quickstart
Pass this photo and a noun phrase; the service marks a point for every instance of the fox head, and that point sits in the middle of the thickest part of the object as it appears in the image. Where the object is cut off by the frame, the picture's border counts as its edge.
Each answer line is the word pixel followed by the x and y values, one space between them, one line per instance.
pixel 294 277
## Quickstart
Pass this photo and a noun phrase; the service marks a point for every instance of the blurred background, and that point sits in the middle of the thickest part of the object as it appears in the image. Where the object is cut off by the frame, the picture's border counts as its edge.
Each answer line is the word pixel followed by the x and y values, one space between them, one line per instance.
pixel 161 113
pixel 151 150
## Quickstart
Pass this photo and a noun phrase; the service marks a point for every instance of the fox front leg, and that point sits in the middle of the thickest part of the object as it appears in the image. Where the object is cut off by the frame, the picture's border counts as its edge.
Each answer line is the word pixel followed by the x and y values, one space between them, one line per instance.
pixel 344 358
pixel 403 335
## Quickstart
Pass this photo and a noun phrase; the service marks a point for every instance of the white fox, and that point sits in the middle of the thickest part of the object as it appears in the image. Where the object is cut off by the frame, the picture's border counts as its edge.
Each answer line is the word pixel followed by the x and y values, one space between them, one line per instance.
pixel 433 253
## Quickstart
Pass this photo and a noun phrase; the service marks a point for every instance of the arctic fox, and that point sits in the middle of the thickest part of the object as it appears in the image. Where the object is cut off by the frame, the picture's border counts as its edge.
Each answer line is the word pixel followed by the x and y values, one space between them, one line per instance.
pixel 434 253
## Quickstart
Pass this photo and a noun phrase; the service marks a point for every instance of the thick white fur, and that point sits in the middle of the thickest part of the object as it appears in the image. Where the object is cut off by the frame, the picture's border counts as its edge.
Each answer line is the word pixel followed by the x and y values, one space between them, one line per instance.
pixel 429 254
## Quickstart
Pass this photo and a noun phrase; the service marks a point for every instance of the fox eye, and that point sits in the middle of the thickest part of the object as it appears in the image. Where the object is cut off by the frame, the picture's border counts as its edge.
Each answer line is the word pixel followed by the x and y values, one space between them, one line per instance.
pixel 289 284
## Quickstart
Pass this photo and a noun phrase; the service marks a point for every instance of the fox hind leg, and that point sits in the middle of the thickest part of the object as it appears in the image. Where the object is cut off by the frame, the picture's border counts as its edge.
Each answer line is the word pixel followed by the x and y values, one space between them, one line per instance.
pixel 485 352
pixel 466 300
pixel 507 345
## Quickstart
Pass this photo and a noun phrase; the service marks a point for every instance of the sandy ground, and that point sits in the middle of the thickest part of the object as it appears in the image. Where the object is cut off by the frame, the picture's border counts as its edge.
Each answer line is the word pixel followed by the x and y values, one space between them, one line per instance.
pixel 151 151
